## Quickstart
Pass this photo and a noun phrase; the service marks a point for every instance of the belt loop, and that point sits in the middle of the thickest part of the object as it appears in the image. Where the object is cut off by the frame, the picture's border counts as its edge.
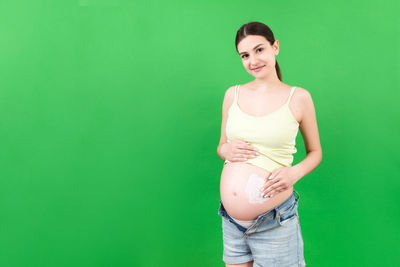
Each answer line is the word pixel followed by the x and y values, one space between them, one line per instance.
pixel 277 214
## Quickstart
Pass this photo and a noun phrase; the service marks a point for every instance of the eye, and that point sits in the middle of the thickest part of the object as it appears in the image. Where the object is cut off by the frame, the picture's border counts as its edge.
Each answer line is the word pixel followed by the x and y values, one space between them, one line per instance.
pixel 261 49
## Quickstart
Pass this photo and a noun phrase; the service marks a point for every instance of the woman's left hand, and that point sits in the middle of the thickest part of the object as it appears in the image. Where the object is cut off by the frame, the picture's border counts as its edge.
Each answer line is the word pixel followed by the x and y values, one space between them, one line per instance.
pixel 279 181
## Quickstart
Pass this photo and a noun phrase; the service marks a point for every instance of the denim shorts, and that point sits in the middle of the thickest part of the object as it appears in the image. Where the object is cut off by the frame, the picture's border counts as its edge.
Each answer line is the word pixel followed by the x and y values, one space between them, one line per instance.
pixel 274 238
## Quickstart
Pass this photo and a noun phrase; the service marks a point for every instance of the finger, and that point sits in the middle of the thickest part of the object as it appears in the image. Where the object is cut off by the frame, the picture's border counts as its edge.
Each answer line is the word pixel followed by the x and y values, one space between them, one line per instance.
pixel 243 143
pixel 274 192
pixel 266 184
pixel 268 177
pixel 240 153
pixel 246 153
pixel 269 183
pixel 239 159
pixel 278 188
pixel 275 186
pixel 247 146
pixel 274 174
pixel 252 148
pixel 243 156
pixel 267 191
pixel 249 154
pixel 247 149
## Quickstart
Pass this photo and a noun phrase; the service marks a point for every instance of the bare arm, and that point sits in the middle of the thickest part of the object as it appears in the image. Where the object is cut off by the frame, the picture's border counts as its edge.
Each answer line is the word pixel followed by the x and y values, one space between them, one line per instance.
pixel 309 131
pixel 228 100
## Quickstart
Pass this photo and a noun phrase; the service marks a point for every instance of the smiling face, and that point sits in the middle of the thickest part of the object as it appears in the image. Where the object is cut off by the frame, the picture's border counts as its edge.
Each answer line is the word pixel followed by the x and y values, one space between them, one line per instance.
pixel 258 56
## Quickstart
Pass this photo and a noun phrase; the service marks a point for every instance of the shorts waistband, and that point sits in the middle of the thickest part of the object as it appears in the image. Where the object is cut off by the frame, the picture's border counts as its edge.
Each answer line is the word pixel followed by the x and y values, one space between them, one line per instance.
pixel 272 212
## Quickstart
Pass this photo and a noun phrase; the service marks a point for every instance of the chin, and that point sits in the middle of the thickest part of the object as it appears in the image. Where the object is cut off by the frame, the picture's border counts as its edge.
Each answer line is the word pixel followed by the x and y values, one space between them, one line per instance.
pixel 260 75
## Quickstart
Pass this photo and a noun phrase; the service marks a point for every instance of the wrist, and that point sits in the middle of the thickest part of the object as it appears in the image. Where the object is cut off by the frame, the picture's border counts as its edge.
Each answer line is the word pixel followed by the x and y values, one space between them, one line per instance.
pixel 299 172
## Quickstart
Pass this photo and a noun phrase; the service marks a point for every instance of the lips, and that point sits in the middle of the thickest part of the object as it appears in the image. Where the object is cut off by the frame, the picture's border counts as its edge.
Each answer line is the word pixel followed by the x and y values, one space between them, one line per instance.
pixel 258 68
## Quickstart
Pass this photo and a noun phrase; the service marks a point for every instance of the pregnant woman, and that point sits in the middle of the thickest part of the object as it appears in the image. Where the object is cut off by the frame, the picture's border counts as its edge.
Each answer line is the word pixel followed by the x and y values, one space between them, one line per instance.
pixel 260 122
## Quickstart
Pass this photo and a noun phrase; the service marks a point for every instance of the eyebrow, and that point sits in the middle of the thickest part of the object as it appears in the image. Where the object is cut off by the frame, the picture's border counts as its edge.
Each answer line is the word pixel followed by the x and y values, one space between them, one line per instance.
pixel 253 49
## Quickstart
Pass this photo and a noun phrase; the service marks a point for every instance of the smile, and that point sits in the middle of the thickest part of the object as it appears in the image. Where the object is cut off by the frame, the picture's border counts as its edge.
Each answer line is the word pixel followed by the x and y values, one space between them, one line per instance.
pixel 259 68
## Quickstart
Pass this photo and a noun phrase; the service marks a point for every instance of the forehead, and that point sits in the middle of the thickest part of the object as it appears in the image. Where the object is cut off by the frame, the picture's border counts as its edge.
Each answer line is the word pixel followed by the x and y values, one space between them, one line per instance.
pixel 249 42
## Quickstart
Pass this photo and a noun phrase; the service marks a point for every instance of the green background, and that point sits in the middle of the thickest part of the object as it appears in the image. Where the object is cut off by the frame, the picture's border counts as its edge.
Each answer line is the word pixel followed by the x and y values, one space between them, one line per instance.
pixel 110 116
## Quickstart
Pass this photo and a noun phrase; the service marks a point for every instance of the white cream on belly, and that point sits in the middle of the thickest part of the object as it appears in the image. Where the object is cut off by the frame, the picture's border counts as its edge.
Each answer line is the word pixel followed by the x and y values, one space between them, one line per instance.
pixel 253 189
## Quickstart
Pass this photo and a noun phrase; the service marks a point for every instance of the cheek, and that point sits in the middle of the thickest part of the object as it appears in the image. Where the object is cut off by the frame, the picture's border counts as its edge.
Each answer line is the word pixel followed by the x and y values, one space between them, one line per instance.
pixel 269 58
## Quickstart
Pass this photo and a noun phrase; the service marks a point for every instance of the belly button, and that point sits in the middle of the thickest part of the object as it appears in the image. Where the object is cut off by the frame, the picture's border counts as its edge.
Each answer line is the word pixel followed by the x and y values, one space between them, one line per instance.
pixel 234 193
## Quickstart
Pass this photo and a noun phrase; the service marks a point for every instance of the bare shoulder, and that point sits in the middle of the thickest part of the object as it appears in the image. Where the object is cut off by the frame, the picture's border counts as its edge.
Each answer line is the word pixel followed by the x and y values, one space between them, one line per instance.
pixel 229 97
pixel 302 93
pixel 302 102
pixel 230 92
pixel 302 97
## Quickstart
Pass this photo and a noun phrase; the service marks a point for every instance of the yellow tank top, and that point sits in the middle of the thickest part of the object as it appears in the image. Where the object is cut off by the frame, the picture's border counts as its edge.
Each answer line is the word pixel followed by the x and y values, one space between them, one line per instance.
pixel 274 135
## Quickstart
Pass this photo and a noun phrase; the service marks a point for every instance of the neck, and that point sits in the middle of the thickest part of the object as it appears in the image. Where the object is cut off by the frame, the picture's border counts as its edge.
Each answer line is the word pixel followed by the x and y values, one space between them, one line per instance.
pixel 267 83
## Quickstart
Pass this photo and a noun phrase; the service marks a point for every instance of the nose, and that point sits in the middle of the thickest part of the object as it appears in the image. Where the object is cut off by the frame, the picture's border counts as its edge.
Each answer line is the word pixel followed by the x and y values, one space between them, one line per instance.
pixel 253 62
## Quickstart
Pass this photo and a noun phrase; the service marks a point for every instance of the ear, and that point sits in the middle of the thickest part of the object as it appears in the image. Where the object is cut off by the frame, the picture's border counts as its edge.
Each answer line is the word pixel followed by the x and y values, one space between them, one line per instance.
pixel 276 47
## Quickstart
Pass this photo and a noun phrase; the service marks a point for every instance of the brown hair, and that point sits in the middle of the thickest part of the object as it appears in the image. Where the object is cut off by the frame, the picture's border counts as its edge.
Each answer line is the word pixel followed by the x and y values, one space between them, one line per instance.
pixel 257 28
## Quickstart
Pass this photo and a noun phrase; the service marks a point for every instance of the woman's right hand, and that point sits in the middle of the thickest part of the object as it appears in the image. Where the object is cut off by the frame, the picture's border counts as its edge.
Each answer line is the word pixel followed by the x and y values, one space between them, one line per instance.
pixel 238 150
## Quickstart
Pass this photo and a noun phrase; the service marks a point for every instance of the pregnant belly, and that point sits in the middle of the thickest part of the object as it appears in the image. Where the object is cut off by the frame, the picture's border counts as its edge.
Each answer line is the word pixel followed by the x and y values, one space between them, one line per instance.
pixel 240 191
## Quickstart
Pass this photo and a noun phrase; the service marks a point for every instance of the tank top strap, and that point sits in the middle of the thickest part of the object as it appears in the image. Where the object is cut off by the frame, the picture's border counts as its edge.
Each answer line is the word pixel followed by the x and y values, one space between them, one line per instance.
pixel 236 92
pixel 290 96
